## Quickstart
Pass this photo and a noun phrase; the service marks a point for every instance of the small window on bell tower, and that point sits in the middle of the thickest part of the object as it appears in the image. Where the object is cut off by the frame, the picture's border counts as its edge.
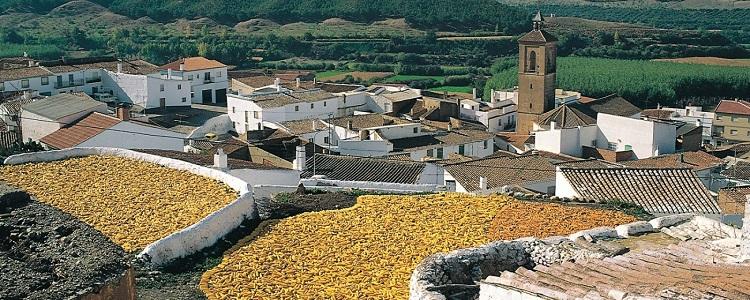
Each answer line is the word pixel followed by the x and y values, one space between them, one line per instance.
pixel 531 67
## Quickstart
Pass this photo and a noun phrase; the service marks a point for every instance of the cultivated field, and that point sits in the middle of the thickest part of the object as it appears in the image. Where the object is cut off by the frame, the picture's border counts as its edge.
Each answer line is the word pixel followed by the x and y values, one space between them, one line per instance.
pixel 340 75
pixel 132 202
pixel 717 61
pixel 365 252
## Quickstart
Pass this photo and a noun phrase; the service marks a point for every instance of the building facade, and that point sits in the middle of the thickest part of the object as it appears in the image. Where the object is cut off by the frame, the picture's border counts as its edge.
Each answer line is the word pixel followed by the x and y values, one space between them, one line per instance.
pixel 537 73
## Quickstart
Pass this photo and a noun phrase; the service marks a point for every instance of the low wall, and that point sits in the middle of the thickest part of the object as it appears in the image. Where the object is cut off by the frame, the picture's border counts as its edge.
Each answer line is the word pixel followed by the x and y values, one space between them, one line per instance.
pixel 457 272
pixel 370 186
pixel 268 190
pixel 189 240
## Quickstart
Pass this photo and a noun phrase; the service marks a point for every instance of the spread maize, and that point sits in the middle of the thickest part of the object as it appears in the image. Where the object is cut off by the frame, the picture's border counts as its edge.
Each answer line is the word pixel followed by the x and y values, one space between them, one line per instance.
pixel 364 252
pixel 523 219
pixel 132 202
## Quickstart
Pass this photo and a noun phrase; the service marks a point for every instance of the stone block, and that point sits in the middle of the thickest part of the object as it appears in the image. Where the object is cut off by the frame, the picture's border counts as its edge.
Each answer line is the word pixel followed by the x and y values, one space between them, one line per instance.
pixel 635 228
pixel 594 233
pixel 671 220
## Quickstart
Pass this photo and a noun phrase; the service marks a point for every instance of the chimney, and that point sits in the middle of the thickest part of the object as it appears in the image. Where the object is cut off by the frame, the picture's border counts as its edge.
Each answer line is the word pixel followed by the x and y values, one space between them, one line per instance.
pixel 492 96
pixel 182 66
pixel 315 80
pixel 698 123
pixel 349 124
pixel 474 94
pixel 299 158
pixel 31 62
pixel 220 159
pixel 682 157
pixel 450 126
pixel 552 125
pixel 119 67
pixel 277 83
pixel 26 94
pixel 123 112
pixel 482 183
pixel 298 82
pixel 314 127
pixel 169 73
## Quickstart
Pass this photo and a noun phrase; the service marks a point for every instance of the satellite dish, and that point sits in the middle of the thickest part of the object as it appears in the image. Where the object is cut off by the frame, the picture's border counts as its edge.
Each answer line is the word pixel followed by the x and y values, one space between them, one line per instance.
pixel 211 136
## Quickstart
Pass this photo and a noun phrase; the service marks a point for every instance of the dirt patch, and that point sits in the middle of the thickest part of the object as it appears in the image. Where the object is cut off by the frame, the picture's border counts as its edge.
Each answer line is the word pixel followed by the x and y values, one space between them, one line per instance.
pixel 395 23
pixel 359 75
pixel 717 61
pixel 336 21
pixel 246 25
pixel 289 204
pixel 46 253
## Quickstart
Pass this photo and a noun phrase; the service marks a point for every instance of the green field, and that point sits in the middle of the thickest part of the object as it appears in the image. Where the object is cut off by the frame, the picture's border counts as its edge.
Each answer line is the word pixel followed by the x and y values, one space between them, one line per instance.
pixel 453 89
pixel 645 83
pixel 409 78
pixel 327 74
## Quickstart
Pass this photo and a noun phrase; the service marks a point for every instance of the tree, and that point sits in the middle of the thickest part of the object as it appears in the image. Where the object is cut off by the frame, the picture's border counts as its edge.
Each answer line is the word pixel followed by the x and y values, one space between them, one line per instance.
pixel 202 49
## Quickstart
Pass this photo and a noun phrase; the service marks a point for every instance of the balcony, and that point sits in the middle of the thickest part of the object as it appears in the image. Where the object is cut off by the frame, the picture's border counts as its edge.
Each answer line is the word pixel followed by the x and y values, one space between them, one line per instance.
pixel 62 85
pixel 208 80
pixel 93 79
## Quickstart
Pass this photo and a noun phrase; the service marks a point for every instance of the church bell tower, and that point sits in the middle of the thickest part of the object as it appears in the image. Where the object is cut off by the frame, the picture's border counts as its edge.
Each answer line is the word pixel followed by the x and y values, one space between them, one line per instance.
pixel 537 66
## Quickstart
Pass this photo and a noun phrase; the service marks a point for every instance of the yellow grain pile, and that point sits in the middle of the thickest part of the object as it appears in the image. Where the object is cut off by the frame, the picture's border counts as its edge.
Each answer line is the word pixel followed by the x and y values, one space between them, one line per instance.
pixel 364 252
pixel 132 202
pixel 523 219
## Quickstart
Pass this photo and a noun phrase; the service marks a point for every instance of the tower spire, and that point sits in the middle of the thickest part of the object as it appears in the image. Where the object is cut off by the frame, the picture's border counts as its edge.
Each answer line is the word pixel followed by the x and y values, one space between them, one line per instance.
pixel 537 20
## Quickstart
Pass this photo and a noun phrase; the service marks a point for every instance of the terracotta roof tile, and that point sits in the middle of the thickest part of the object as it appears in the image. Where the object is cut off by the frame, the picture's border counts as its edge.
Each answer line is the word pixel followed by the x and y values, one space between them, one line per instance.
pixel 501 171
pixel 659 114
pixel 193 64
pixel 351 168
pixel 22 73
pixel 658 191
pixel 738 107
pixel 538 36
pixel 697 160
pixel 611 105
pixel 206 159
pixel 740 170
pixel 565 117
pixel 80 131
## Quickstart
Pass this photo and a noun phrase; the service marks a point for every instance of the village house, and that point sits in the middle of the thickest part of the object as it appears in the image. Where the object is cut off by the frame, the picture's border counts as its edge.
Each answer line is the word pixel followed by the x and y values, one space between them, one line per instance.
pixel 690 115
pixel 731 123
pixel 101 130
pixel 10 109
pixel 707 167
pixel 45 116
pixel 207 79
pixel 530 172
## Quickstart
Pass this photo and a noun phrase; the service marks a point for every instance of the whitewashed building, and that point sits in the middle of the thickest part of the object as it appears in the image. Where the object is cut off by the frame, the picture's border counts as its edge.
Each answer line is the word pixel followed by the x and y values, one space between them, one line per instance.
pixel 45 116
pixel 207 78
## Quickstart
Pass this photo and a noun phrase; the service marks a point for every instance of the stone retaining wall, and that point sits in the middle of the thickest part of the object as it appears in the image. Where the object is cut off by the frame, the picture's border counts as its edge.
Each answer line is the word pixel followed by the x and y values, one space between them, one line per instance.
pixel 120 288
pixel 455 274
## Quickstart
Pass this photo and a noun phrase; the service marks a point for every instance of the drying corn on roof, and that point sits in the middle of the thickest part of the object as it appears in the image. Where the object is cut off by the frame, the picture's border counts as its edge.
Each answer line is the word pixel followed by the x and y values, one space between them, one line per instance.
pixel 134 203
pixel 524 219
pixel 364 252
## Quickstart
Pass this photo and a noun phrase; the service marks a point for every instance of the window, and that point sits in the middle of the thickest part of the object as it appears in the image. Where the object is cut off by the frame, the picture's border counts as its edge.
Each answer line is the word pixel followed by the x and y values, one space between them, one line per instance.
pixel 450 185
pixel 531 86
pixel 733 118
pixel 733 132
pixel 184 99
pixel 439 152
pixel 612 146
pixel 430 152
pixel 532 62
pixel 461 149
pixel 45 80
pixel 190 77
pixel 259 126
pixel 192 95
pixel 325 103
pixel 2 86
pixel 485 144
pixel 161 87
pixel 255 115
pixel 312 105
pixel 296 108
pixel 179 86
pixel 247 116
pixel 234 110
pixel 326 140
pixel 218 74
pixel 500 122
pixel 416 129
pixel 24 83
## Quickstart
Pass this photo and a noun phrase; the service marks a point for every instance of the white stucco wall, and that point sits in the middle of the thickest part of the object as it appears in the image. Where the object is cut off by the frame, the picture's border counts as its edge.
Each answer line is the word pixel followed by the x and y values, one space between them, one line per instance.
pixel 647 138
pixel 267 177
pixel 563 188
pixel 143 137
pixel 35 127
pixel 368 148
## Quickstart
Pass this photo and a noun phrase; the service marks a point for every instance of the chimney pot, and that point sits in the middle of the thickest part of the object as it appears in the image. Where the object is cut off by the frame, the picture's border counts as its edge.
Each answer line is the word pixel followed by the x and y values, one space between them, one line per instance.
pixel 169 73
pixel 220 159
pixel 300 158
pixel 492 96
pixel 119 67
pixel 552 125
pixel 298 82
pixel 482 183
pixel 123 113
pixel 182 66
pixel 474 93
pixel 349 125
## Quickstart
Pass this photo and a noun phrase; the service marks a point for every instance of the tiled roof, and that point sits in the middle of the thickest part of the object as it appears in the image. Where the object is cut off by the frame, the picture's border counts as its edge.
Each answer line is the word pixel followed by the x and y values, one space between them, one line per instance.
pixel 737 107
pixel 338 87
pixel 552 157
pixel 351 168
pixel 611 105
pixel 517 140
pixel 697 160
pixel 591 163
pixel 367 121
pixel 256 81
pixel 62 105
pixel 80 131
pixel 501 171
pixel 732 199
pixel 565 117
pixel 684 128
pixel 278 99
pixel 193 64
pixel 401 96
pixel 13 106
pixel 740 170
pixel 455 137
pixel 135 67
pixel 659 114
pixel 695 269
pixel 658 191
pixel 538 36
pixel 207 159
pixel 300 127
pixel 22 73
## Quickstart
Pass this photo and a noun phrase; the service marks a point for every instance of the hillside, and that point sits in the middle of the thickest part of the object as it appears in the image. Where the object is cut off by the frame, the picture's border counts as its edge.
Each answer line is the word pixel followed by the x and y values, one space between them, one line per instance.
pixel 439 15
pixel 679 4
